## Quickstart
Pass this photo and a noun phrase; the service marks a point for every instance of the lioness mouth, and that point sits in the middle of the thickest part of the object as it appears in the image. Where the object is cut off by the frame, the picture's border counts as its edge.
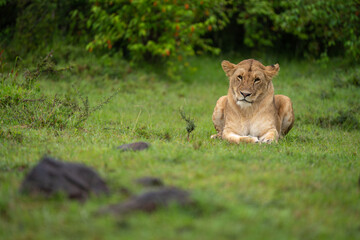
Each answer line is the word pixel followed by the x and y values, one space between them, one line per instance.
pixel 245 100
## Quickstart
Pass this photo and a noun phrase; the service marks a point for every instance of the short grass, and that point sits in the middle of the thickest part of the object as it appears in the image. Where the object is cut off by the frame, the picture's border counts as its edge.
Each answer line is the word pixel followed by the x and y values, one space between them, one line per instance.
pixel 304 187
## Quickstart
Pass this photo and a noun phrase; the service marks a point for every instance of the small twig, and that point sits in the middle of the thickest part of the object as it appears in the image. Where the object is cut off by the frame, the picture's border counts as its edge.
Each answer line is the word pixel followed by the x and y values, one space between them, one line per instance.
pixel 137 119
pixel 107 100
pixel 190 125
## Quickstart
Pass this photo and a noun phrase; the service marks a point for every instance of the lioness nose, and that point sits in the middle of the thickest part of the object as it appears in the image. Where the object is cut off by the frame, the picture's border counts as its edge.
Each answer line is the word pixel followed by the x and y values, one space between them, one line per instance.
pixel 245 94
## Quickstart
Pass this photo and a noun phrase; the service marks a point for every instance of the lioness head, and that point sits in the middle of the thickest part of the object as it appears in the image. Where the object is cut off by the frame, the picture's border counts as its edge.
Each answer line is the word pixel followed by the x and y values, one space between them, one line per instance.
pixel 249 80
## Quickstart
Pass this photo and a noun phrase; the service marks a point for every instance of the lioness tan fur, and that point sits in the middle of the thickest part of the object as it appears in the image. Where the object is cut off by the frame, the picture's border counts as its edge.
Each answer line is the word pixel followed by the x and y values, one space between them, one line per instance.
pixel 250 112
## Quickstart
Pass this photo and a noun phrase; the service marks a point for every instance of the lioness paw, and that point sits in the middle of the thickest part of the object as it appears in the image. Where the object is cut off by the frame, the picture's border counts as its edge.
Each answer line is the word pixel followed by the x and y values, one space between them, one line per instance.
pixel 214 136
pixel 270 137
pixel 268 141
pixel 254 139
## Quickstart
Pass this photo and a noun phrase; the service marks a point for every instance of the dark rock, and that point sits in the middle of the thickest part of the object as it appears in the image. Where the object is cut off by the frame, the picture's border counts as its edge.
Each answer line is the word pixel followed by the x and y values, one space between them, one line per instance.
pixel 150 182
pixel 150 201
pixel 136 146
pixel 51 176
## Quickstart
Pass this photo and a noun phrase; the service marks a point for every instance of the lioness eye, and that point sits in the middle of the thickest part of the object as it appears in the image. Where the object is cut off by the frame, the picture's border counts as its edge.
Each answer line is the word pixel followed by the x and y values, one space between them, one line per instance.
pixel 257 79
pixel 239 77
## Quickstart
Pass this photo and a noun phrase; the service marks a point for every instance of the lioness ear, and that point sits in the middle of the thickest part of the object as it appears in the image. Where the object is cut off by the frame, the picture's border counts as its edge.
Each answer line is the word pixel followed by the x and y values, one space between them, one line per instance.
pixel 228 67
pixel 272 70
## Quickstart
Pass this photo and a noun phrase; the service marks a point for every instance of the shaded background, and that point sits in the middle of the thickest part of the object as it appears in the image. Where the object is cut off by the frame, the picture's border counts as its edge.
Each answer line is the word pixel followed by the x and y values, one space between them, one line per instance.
pixel 164 31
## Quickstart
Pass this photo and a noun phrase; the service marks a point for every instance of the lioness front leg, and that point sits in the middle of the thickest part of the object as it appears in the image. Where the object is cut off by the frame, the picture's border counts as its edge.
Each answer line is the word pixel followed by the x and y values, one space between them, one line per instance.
pixel 235 138
pixel 218 116
pixel 270 136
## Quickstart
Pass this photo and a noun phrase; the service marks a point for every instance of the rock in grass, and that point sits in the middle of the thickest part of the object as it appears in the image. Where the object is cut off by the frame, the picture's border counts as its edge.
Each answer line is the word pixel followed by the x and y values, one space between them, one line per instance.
pixel 150 182
pixel 150 201
pixel 51 176
pixel 136 146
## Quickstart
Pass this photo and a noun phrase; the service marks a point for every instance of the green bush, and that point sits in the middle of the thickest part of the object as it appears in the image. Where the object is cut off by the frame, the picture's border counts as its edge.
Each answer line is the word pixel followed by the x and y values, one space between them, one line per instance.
pixel 309 27
pixel 256 18
pixel 170 30
pixel 322 24
pixel 156 30
pixel 29 26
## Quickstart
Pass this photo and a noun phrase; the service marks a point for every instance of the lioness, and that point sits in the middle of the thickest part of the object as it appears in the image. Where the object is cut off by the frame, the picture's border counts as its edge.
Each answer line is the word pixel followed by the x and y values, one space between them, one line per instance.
pixel 250 112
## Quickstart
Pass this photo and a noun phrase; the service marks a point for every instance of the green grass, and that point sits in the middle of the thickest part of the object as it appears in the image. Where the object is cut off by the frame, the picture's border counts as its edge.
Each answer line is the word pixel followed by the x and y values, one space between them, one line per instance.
pixel 304 187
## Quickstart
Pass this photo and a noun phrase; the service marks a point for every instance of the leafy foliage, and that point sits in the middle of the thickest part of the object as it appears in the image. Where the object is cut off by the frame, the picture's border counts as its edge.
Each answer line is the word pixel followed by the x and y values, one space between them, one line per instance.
pixel 153 30
pixel 312 27
pixel 168 31
pixel 36 26
pixel 322 24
